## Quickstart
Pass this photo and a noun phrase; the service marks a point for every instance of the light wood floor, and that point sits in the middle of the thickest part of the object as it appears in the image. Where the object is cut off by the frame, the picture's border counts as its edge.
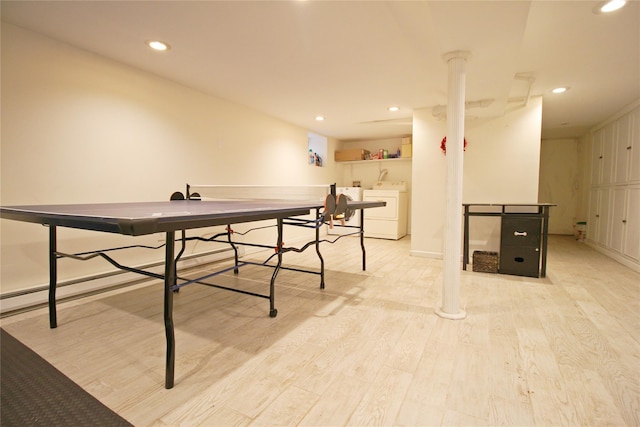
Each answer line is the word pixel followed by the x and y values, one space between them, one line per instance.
pixel 368 350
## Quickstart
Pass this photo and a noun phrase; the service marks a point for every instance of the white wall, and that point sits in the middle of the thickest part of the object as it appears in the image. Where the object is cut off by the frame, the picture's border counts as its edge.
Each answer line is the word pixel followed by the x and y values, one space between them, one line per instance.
pixel 77 127
pixel 560 183
pixel 428 197
pixel 501 165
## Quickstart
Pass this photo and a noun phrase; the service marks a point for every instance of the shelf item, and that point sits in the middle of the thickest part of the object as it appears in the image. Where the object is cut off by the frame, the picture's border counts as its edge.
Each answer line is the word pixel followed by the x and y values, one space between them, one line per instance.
pixel 406 149
pixel 396 159
pixel 351 154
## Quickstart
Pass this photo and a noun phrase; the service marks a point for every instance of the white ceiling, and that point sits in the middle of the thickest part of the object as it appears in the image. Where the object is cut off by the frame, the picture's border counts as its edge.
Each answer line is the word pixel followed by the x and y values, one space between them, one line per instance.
pixel 350 60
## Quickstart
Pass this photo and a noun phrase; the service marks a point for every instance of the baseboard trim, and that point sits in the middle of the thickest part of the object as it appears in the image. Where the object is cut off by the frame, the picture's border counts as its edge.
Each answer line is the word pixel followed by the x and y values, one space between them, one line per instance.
pixel 633 265
pixel 31 298
pixel 426 254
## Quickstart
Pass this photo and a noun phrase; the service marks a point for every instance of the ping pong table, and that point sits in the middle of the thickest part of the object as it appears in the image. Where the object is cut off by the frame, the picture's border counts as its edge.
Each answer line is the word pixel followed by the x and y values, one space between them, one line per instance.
pixel 137 219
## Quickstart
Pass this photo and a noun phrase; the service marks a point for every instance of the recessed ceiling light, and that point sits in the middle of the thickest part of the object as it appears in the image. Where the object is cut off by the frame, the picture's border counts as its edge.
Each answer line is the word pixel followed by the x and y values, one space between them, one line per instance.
pixel 158 45
pixel 612 5
pixel 393 108
pixel 608 6
pixel 560 90
pixel 319 118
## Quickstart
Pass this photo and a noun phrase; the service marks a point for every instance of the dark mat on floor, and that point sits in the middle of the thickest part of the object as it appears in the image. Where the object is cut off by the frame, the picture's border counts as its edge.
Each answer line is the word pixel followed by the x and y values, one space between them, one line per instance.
pixel 34 393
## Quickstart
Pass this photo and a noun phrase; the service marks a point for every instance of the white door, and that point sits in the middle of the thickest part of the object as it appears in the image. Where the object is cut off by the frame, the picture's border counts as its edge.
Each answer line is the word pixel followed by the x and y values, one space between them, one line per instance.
pixel 602 214
pixel 608 152
pixel 634 156
pixel 596 157
pixel 618 215
pixel 623 150
pixel 632 234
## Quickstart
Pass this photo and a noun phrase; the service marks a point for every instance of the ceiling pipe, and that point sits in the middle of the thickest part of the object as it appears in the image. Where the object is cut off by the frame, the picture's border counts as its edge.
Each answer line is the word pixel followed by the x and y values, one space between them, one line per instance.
pixel 440 111
pixel 530 79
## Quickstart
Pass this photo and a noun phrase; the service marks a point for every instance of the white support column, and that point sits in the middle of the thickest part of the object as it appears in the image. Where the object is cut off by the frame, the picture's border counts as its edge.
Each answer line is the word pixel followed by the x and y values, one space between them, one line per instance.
pixel 455 148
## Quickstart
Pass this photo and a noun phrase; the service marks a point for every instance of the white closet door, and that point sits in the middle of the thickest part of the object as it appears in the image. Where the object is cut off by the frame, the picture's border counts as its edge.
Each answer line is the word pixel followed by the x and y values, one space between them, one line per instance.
pixel 608 152
pixel 623 150
pixel 596 158
pixel 632 241
pixel 618 215
pixel 634 163
pixel 604 202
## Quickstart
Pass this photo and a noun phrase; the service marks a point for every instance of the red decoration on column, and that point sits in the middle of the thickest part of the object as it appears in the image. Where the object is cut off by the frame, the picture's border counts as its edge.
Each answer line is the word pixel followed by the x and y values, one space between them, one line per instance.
pixel 443 145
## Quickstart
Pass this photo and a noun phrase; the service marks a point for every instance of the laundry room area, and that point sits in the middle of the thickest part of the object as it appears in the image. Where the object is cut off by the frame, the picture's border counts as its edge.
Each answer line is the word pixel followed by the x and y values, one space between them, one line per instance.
pixel 368 175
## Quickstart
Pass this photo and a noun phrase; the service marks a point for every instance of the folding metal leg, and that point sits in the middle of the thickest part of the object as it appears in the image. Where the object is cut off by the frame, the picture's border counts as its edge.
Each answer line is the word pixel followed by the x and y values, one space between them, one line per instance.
pixel 364 252
pixel 318 252
pixel 235 249
pixel 169 280
pixel 53 276
pixel 272 289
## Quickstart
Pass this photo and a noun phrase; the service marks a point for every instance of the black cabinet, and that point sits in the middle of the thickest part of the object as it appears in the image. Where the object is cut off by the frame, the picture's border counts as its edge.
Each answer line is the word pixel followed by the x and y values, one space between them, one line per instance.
pixel 523 236
pixel 520 245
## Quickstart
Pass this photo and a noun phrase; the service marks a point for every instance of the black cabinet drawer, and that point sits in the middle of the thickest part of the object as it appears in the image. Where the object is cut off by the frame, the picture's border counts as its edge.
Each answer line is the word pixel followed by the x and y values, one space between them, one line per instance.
pixel 520 261
pixel 520 231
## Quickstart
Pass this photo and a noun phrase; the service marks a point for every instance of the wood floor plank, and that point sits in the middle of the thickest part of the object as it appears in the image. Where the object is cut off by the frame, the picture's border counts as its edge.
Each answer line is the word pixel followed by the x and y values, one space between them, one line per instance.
pixel 288 409
pixel 510 412
pixel 381 403
pixel 592 401
pixel 337 403
pixel 470 387
pixel 418 414
pixel 432 378
pixel 546 386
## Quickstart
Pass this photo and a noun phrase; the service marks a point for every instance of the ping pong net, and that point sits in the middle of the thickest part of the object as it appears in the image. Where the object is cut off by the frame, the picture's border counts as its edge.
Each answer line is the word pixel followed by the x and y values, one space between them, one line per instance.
pixel 334 206
pixel 316 193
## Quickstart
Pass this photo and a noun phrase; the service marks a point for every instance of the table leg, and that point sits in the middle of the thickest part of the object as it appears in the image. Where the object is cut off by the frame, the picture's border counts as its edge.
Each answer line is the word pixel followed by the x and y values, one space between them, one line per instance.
pixel 545 237
pixel 364 252
pixel 465 251
pixel 53 276
pixel 169 280
pixel 318 252
pixel 233 246
pixel 272 288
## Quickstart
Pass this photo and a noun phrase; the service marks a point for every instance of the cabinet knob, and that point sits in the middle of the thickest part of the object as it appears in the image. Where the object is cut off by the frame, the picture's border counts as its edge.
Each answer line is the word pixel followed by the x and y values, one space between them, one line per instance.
pixel 600 157
pixel 520 233
pixel 624 221
pixel 629 148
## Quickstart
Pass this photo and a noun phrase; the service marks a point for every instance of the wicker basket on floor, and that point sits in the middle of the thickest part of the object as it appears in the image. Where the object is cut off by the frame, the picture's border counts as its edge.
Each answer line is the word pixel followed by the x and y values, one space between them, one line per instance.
pixel 485 262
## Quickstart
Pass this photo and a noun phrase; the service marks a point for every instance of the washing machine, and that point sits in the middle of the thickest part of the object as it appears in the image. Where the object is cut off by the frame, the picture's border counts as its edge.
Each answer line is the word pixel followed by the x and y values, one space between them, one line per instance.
pixel 352 193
